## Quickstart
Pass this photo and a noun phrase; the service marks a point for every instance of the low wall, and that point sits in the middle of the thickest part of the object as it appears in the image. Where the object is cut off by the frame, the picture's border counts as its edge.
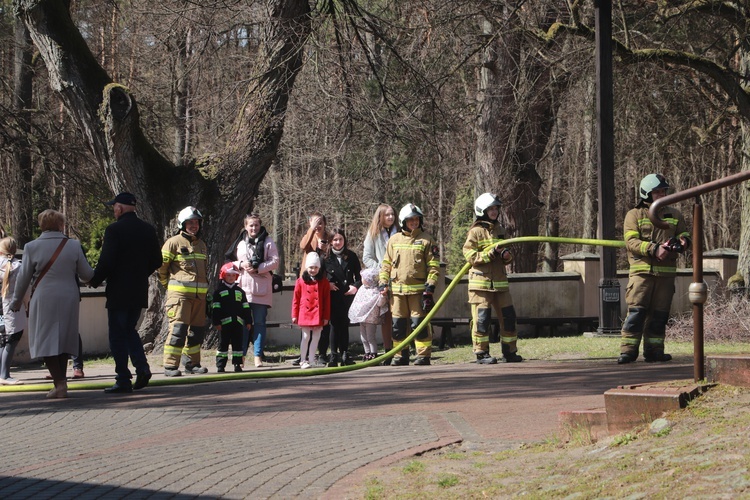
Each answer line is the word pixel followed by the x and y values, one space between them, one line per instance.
pixel 571 293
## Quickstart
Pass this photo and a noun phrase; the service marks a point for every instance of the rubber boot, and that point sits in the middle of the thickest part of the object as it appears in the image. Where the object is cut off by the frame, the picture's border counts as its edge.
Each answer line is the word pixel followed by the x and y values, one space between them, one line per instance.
pixel 404 359
pixel 221 364
pixel 626 358
pixel 657 357
pixel 511 357
pixel 484 358
pixel 387 361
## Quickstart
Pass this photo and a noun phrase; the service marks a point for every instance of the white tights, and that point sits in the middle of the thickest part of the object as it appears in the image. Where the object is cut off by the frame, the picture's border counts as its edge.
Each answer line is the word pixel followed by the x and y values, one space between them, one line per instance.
pixel 310 338
pixel 369 340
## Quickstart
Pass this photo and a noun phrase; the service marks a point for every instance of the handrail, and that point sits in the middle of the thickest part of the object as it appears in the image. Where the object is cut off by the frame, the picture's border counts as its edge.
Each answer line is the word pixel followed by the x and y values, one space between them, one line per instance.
pixel 729 180
pixel 698 291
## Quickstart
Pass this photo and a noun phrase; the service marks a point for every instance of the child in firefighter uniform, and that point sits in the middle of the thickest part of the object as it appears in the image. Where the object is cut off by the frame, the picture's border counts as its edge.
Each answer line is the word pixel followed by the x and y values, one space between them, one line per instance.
pixel 488 282
pixel 652 255
pixel 409 271
pixel 230 313
pixel 184 273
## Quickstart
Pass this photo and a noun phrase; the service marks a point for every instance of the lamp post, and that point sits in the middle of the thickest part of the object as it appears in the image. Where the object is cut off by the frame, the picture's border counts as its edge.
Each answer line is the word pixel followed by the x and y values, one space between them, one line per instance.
pixel 609 286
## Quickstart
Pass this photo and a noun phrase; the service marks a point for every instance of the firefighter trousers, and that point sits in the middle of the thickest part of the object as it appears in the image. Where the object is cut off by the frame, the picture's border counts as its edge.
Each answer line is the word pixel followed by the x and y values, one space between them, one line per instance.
pixel 403 308
pixel 482 303
pixel 649 299
pixel 187 328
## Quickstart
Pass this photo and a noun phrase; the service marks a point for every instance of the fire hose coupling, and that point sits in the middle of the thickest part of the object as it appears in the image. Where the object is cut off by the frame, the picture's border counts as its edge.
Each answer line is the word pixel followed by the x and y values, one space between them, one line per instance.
pixel 698 293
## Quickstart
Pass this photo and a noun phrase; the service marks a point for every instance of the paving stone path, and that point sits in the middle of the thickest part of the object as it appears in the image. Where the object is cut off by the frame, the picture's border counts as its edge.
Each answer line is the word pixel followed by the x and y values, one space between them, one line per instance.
pixel 284 438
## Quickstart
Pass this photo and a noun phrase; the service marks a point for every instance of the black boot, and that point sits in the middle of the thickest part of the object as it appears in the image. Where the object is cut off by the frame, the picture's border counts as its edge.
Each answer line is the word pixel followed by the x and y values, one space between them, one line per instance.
pixel 346 359
pixel 511 357
pixel 404 359
pixel 221 364
pixel 626 358
pixel 387 361
pixel 333 360
pixel 656 357
pixel 484 358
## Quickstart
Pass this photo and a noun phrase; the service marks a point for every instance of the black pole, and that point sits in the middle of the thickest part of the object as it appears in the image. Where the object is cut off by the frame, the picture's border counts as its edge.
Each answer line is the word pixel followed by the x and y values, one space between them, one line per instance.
pixel 609 307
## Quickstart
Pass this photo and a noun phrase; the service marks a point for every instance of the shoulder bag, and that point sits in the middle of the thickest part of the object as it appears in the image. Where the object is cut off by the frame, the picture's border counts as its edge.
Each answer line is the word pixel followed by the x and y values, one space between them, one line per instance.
pixel 49 264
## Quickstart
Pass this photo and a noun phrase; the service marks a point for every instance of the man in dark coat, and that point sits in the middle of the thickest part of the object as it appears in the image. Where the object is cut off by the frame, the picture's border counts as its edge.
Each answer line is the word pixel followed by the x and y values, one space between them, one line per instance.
pixel 130 253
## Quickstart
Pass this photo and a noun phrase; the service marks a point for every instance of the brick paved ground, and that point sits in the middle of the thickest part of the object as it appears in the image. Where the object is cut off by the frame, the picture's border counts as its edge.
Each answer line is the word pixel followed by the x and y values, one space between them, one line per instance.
pixel 283 438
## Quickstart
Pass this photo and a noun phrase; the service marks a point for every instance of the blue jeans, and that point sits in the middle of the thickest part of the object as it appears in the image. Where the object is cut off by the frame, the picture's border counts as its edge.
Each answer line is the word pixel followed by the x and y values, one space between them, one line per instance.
pixel 124 341
pixel 260 311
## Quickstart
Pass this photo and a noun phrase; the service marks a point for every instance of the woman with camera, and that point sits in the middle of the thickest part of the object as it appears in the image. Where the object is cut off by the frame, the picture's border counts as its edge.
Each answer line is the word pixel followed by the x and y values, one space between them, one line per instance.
pixel 257 258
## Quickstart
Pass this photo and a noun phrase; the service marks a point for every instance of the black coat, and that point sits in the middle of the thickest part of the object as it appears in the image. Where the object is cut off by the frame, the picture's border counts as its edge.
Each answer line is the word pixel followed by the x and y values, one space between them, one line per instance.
pixel 130 253
pixel 342 274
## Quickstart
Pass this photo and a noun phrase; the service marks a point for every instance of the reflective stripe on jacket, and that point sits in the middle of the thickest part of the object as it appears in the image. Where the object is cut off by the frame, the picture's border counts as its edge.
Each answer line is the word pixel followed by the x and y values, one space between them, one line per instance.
pixel 642 239
pixel 411 263
pixel 487 271
pixel 184 268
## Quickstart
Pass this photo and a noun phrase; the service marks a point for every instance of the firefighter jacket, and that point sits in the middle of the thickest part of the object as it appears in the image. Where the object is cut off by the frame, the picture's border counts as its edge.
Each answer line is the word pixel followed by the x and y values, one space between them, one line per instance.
pixel 487 273
pixel 184 268
pixel 642 240
pixel 411 264
pixel 230 306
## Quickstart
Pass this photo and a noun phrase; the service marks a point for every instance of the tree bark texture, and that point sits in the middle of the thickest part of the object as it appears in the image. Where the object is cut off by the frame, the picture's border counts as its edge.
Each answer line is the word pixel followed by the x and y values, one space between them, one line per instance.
pixel 20 176
pixel 223 186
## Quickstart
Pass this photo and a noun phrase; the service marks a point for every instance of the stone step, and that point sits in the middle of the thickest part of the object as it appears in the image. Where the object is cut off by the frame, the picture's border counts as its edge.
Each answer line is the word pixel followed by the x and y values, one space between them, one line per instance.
pixel 585 426
pixel 627 407
pixel 730 369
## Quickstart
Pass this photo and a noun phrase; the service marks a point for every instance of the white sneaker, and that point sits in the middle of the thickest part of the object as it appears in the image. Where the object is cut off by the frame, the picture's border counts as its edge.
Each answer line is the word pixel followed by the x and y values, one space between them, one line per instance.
pixel 305 365
pixel 10 381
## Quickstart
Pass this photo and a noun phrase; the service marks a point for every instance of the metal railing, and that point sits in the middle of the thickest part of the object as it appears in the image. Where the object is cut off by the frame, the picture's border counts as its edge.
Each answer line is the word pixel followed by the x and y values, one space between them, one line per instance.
pixel 698 291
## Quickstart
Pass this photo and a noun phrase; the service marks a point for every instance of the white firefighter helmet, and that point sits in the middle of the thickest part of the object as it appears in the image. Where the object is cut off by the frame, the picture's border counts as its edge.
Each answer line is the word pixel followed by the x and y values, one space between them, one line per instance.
pixel 484 202
pixel 651 182
pixel 409 210
pixel 188 213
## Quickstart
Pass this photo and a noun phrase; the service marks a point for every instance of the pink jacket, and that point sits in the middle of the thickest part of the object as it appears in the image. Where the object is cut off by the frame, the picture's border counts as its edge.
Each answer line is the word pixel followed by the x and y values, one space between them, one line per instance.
pixel 311 304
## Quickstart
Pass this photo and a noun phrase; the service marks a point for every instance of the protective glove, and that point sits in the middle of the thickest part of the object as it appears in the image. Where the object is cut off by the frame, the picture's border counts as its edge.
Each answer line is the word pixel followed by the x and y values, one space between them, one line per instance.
pixel 427 302
pixel 503 253
pixel 674 244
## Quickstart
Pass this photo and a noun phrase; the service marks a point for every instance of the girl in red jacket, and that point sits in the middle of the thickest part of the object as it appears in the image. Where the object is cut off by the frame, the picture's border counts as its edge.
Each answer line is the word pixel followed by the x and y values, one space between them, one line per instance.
pixel 311 307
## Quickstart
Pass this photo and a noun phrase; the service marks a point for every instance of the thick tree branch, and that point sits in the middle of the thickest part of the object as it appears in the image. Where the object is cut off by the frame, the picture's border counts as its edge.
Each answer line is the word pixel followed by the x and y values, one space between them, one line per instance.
pixel 729 80
pixel 114 136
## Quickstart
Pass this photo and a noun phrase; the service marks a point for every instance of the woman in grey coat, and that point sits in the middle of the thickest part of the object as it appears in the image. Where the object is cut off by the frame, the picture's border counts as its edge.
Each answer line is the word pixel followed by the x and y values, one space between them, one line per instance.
pixel 53 310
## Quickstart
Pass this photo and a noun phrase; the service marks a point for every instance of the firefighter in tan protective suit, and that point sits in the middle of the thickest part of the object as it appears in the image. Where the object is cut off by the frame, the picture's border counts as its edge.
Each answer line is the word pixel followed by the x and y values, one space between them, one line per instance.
pixel 410 270
pixel 184 273
pixel 488 282
pixel 652 254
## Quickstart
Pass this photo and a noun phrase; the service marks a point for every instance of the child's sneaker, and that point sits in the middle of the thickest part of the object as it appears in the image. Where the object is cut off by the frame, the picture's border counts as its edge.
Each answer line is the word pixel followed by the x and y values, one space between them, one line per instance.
pixel 304 365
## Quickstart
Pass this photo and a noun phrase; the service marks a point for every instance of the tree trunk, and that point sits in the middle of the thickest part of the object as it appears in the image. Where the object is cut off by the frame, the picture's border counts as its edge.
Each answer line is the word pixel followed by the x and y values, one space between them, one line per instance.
pixel 19 188
pixel 514 122
pixel 223 186
pixel 180 97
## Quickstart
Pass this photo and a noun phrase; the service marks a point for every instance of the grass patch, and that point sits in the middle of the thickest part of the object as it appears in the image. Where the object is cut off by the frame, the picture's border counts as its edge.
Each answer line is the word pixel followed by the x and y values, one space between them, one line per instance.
pixel 448 481
pixel 414 467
